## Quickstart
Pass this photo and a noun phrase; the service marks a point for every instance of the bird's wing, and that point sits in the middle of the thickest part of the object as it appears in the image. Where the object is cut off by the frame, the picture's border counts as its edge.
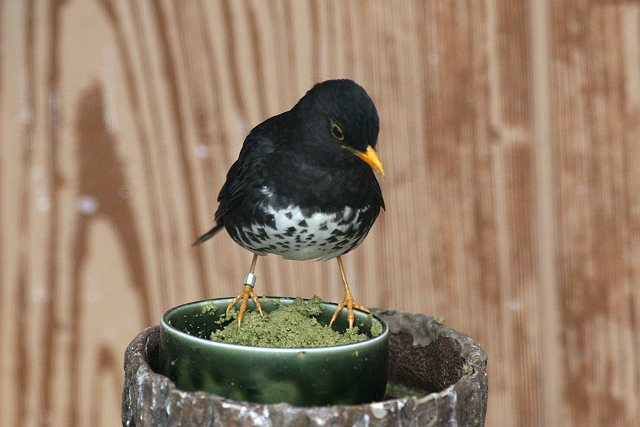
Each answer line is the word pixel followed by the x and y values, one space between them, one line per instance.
pixel 246 175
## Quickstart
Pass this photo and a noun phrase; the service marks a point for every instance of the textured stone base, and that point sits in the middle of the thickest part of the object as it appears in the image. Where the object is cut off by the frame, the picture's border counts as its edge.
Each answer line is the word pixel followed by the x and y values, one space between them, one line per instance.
pixel 446 366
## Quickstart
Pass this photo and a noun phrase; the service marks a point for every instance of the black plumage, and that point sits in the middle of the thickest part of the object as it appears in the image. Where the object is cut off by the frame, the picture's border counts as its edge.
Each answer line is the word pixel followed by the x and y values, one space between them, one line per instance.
pixel 306 172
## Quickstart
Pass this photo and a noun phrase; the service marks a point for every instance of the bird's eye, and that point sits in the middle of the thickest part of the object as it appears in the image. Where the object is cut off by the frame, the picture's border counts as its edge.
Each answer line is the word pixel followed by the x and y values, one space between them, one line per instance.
pixel 337 132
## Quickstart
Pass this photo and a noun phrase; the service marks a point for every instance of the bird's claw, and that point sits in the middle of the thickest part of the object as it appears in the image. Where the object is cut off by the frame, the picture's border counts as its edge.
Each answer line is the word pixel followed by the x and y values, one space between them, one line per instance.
pixel 244 296
pixel 350 303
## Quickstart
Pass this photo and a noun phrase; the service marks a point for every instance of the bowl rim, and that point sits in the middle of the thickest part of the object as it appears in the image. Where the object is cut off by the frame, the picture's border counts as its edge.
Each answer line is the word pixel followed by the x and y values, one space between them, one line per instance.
pixel 166 327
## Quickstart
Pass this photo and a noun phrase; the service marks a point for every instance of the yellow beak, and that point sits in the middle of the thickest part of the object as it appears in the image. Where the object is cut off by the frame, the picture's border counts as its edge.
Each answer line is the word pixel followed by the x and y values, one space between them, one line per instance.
pixel 370 157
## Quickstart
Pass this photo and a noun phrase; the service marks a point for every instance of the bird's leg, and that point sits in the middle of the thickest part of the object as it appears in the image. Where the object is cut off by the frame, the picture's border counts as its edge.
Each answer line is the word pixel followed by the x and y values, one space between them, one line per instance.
pixel 247 292
pixel 347 301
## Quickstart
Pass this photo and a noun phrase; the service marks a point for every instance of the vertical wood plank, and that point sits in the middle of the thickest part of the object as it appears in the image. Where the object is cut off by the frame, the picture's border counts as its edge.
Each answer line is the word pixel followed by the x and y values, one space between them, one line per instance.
pixel 549 327
pixel 594 69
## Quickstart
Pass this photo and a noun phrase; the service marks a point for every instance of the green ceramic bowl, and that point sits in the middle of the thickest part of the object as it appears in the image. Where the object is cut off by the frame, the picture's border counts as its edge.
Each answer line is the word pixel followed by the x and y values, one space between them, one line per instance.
pixel 338 375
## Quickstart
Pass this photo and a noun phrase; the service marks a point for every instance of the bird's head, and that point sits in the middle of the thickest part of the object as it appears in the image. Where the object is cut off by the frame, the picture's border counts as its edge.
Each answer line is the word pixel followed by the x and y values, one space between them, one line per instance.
pixel 343 115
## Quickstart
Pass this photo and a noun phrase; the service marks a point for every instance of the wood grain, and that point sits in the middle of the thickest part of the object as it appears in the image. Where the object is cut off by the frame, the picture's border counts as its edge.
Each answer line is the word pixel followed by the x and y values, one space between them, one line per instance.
pixel 597 156
pixel 509 131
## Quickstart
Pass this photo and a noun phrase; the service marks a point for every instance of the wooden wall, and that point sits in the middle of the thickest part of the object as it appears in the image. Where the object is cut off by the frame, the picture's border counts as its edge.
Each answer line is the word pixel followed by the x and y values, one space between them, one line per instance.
pixel 509 129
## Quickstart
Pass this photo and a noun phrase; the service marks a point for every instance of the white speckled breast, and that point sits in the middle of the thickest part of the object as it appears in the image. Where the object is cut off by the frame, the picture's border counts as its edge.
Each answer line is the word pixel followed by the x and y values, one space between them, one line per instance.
pixel 297 237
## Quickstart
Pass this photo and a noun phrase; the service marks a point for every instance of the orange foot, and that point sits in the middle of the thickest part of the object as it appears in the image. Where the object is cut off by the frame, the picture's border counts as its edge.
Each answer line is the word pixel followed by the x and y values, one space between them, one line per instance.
pixel 244 296
pixel 350 303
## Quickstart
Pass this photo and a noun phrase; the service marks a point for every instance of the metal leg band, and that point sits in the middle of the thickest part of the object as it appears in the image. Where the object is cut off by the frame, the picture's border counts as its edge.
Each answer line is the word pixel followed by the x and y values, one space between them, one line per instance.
pixel 250 279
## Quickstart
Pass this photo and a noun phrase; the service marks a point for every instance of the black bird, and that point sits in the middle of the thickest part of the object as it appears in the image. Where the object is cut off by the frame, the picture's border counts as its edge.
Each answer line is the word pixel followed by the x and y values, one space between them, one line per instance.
pixel 303 186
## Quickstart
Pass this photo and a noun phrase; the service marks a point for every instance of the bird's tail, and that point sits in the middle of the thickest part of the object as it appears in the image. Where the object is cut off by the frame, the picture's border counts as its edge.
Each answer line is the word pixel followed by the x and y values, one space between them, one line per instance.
pixel 209 234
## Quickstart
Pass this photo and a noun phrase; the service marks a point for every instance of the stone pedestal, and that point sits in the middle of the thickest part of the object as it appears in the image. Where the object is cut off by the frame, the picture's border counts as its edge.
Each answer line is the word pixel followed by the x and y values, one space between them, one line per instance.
pixel 440 372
